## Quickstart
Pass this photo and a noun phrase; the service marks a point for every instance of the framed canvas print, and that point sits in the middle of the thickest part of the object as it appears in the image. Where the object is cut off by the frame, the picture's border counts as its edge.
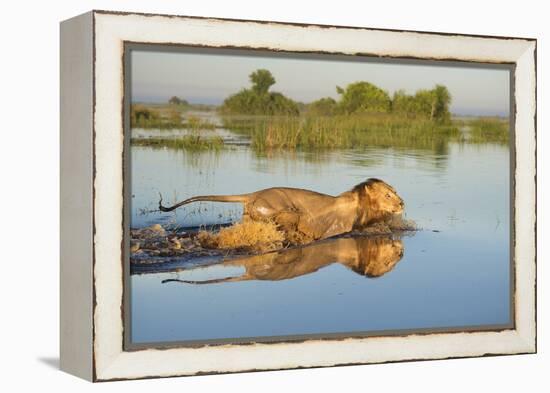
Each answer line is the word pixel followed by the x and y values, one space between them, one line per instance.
pixel 245 195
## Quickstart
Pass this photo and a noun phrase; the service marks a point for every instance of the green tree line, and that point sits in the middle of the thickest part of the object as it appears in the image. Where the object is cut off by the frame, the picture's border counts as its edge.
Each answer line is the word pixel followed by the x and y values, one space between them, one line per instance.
pixel 356 98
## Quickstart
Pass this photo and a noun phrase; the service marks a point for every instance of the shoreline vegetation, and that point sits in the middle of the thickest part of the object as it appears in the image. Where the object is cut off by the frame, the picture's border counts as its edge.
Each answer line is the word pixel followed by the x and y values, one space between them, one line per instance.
pixel 194 142
pixel 364 115
pixel 338 132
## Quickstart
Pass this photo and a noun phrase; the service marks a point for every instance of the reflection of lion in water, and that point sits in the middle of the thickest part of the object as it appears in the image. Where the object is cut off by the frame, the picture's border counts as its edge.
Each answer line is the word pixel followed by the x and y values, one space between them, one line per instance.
pixel 370 257
pixel 306 215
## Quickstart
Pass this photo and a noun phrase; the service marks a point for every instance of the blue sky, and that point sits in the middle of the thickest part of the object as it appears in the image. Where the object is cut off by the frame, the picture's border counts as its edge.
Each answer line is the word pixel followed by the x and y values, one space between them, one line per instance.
pixel 208 78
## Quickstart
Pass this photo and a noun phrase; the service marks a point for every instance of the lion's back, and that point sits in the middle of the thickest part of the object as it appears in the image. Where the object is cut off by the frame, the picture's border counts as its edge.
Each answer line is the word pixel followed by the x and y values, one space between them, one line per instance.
pixel 295 198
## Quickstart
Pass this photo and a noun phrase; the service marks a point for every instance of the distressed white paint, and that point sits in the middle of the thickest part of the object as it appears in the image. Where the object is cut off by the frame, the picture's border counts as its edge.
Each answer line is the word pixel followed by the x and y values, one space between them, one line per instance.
pixel 76 229
pixel 112 362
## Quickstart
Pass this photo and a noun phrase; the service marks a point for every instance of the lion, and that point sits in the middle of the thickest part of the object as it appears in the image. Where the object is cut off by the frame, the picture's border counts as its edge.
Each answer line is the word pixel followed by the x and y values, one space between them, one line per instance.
pixel 305 216
pixel 367 256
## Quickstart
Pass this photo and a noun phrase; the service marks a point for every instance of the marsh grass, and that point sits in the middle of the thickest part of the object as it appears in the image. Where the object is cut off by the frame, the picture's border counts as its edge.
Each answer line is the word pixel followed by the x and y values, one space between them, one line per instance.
pixel 193 142
pixel 314 133
pixel 339 132
pixel 166 117
pixel 194 123
pixel 489 130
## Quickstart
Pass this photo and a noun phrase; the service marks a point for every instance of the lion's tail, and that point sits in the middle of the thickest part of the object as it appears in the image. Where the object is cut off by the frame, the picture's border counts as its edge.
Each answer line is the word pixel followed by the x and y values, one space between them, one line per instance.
pixel 206 198
pixel 212 281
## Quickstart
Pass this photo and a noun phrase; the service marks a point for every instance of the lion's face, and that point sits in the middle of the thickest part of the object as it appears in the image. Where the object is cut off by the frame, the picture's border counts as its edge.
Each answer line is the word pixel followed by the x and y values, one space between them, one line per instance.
pixel 384 199
pixel 378 256
pixel 386 257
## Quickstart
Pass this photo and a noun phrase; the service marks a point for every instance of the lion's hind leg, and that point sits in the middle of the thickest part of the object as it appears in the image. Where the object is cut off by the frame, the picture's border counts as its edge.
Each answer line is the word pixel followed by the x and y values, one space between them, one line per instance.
pixel 291 223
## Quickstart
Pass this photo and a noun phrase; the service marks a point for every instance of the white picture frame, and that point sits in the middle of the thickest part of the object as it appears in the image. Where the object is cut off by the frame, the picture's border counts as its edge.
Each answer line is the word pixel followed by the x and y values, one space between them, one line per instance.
pixel 92 195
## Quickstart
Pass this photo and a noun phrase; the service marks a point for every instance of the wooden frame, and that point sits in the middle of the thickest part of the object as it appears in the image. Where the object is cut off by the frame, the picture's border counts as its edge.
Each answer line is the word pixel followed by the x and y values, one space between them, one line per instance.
pixel 92 190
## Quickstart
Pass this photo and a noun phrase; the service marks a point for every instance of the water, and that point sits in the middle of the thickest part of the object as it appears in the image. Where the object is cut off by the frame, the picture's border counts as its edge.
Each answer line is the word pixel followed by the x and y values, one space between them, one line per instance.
pixel 454 273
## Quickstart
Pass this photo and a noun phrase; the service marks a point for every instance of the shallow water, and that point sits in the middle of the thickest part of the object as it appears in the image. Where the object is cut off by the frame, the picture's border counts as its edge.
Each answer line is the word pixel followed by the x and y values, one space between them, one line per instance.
pixel 454 273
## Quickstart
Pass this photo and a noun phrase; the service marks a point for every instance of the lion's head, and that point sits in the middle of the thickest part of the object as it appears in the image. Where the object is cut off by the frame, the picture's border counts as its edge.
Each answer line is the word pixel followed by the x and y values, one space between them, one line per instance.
pixel 378 201
pixel 377 256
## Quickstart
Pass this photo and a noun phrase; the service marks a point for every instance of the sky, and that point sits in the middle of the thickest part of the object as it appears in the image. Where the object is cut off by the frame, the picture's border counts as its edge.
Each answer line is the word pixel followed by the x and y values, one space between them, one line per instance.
pixel 209 77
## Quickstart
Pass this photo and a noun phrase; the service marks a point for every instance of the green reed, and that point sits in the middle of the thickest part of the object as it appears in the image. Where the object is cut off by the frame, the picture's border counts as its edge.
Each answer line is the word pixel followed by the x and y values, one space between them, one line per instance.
pixel 489 130
pixel 166 117
pixel 339 132
pixel 192 142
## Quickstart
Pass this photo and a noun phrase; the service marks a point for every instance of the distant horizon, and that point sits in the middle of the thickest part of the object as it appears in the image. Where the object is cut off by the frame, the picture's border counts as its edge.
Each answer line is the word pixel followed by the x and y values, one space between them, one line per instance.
pixel 209 78
pixel 161 100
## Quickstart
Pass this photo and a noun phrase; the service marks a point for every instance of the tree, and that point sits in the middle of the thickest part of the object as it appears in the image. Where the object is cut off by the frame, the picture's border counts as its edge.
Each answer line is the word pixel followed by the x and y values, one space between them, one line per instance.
pixel 429 104
pixel 323 107
pixel 424 103
pixel 259 100
pixel 442 102
pixel 280 105
pixel 404 104
pixel 363 97
pixel 177 101
pixel 261 80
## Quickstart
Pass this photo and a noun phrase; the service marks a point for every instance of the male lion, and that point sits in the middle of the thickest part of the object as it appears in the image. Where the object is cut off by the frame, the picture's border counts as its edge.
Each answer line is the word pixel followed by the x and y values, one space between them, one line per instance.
pixel 369 257
pixel 305 216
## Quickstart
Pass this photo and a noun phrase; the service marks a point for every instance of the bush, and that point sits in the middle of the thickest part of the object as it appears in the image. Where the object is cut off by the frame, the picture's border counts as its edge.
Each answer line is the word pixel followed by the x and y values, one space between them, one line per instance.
pixel 363 97
pixel 258 100
pixel 489 130
pixel 323 107
pixel 141 116
pixel 425 104
pixel 178 101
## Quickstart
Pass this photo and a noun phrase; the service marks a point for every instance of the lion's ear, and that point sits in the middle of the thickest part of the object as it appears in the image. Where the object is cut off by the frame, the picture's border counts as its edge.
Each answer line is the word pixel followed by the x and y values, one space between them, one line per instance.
pixel 369 189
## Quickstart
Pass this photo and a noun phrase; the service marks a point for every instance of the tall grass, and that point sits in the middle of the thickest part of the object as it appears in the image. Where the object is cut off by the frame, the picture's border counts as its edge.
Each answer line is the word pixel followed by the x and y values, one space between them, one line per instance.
pixel 192 142
pixel 339 132
pixel 489 130
pixel 315 133
pixel 166 117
